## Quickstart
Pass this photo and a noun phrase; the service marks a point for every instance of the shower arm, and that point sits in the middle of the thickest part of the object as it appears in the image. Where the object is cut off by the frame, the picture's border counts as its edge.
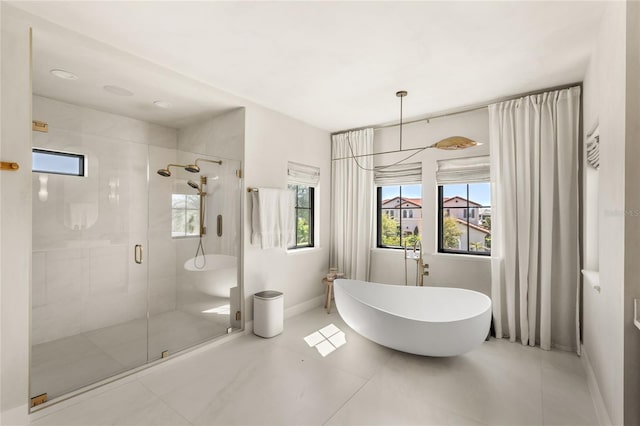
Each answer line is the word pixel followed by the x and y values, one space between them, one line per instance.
pixel 208 161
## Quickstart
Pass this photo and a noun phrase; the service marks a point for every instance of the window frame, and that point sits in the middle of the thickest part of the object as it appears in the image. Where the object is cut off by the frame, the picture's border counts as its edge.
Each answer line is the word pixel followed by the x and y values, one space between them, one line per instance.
pixel 379 214
pixel 441 209
pixel 185 209
pixel 312 213
pixel 82 171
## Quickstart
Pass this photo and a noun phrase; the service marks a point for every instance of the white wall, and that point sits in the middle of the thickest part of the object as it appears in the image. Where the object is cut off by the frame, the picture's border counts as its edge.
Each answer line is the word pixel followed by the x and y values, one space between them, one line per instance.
pixel 464 271
pixel 1 139
pixel 604 102
pixel 15 262
pixel 272 140
pixel 220 136
pixel 632 219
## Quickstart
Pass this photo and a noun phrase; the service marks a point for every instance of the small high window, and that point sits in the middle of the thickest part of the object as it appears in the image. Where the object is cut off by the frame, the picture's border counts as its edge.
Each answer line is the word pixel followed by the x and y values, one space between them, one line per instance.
pixel 59 163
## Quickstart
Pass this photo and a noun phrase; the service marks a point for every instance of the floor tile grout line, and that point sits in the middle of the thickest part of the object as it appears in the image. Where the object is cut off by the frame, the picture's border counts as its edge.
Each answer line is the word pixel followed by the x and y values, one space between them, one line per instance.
pixel 367 380
pixel 348 399
pixel 165 403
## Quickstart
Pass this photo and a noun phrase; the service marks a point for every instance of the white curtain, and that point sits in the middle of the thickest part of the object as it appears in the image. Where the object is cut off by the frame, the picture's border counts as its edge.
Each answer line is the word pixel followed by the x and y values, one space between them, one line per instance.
pixel 352 208
pixel 535 218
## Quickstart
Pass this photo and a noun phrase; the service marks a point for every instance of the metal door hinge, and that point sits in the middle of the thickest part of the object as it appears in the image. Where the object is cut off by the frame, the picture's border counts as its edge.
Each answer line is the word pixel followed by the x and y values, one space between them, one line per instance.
pixel 238 315
pixel 239 173
pixel 40 399
pixel 39 126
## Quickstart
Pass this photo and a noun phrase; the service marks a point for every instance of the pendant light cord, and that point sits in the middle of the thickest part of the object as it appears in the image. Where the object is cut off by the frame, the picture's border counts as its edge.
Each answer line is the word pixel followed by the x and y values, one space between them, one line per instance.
pixel 381 167
pixel 401 99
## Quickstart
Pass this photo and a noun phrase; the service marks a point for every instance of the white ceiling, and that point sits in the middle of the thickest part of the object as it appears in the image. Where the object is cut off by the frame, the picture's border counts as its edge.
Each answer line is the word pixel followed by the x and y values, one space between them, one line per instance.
pixel 337 65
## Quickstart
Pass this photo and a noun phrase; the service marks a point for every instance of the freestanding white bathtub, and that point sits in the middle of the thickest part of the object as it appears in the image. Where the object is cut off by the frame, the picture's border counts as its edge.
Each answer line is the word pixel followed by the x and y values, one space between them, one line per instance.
pixel 433 321
pixel 215 274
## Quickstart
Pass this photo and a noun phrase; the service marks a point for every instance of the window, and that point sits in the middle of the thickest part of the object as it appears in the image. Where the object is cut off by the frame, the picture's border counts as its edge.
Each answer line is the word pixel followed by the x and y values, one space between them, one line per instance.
pixel 460 229
pixel 56 162
pixel 399 209
pixel 185 215
pixel 304 215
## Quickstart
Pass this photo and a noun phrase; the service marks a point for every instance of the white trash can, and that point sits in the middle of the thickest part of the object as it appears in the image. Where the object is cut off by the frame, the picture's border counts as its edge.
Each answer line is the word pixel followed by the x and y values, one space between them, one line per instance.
pixel 268 313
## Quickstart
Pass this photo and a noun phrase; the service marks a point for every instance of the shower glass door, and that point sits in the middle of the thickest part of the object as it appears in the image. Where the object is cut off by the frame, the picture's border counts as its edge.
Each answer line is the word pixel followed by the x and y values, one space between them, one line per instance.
pixel 193 278
pixel 89 295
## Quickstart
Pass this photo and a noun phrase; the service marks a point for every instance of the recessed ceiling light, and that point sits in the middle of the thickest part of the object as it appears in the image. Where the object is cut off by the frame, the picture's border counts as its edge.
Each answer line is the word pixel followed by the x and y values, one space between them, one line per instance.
pixel 162 104
pixel 66 75
pixel 119 91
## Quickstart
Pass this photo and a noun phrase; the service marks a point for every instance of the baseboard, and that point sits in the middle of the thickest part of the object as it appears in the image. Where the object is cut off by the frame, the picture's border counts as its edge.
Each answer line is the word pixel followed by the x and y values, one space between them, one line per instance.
pixel 294 310
pixel 594 390
pixel 17 416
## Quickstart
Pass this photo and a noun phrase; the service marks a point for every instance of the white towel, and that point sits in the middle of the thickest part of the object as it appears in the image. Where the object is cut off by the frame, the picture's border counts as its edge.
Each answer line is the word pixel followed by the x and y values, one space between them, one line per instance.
pixel 288 217
pixel 273 218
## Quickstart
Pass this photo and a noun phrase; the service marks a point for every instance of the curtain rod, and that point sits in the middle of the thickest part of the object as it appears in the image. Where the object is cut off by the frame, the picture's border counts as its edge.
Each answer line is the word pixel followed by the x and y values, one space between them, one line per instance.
pixel 462 110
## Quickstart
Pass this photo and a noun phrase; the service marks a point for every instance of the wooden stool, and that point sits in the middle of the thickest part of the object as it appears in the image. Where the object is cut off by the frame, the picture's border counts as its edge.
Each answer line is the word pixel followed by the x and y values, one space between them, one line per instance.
pixel 329 284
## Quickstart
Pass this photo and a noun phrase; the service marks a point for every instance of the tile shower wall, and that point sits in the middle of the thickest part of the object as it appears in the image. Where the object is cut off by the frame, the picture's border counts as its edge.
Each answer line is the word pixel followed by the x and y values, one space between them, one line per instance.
pixel 84 229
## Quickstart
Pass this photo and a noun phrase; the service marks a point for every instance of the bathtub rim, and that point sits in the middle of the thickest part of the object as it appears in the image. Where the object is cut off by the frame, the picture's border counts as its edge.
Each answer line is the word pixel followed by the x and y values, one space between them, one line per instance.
pixel 466 318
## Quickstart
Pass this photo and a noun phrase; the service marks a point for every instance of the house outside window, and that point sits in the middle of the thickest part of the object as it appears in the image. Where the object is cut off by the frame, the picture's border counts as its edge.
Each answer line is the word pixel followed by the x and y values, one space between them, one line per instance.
pixel 464 218
pixel 399 215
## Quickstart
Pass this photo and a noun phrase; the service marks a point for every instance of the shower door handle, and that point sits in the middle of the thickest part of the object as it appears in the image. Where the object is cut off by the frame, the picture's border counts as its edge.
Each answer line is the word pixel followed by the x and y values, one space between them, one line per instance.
pixel 137 254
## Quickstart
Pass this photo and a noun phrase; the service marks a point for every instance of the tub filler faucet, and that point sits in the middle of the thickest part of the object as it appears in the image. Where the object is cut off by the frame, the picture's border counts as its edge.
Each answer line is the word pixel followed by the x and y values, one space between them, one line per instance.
pixel 422 268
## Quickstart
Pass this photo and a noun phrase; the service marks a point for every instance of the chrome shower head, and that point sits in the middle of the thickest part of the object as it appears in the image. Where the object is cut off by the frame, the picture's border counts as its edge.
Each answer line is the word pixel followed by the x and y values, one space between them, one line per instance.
pixel 193 185
pixel 193 168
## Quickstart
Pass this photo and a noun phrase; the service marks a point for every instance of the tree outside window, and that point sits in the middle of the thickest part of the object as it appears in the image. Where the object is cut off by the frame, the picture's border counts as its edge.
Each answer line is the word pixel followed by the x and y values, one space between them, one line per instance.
pixel 399 215
pixel 464 218
pixel 304 215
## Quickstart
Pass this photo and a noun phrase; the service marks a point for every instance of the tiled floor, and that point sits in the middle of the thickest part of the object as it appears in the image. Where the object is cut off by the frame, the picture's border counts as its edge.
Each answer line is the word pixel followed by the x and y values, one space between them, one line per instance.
pixel 282 381
pixel 63 365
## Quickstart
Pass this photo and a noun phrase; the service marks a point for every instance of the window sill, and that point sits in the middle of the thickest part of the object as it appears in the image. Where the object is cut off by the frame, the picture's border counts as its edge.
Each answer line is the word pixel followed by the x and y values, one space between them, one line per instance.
pixel 295 252
pixel 465 257
pixel 390 251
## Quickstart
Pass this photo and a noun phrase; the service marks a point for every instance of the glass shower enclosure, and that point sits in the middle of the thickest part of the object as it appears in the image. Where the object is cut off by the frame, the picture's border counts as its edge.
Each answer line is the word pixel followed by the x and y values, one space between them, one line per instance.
pixel 129 265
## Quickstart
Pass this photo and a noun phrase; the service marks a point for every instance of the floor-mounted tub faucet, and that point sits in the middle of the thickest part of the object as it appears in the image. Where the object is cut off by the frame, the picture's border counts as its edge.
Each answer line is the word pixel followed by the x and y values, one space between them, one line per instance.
pixel 416 255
